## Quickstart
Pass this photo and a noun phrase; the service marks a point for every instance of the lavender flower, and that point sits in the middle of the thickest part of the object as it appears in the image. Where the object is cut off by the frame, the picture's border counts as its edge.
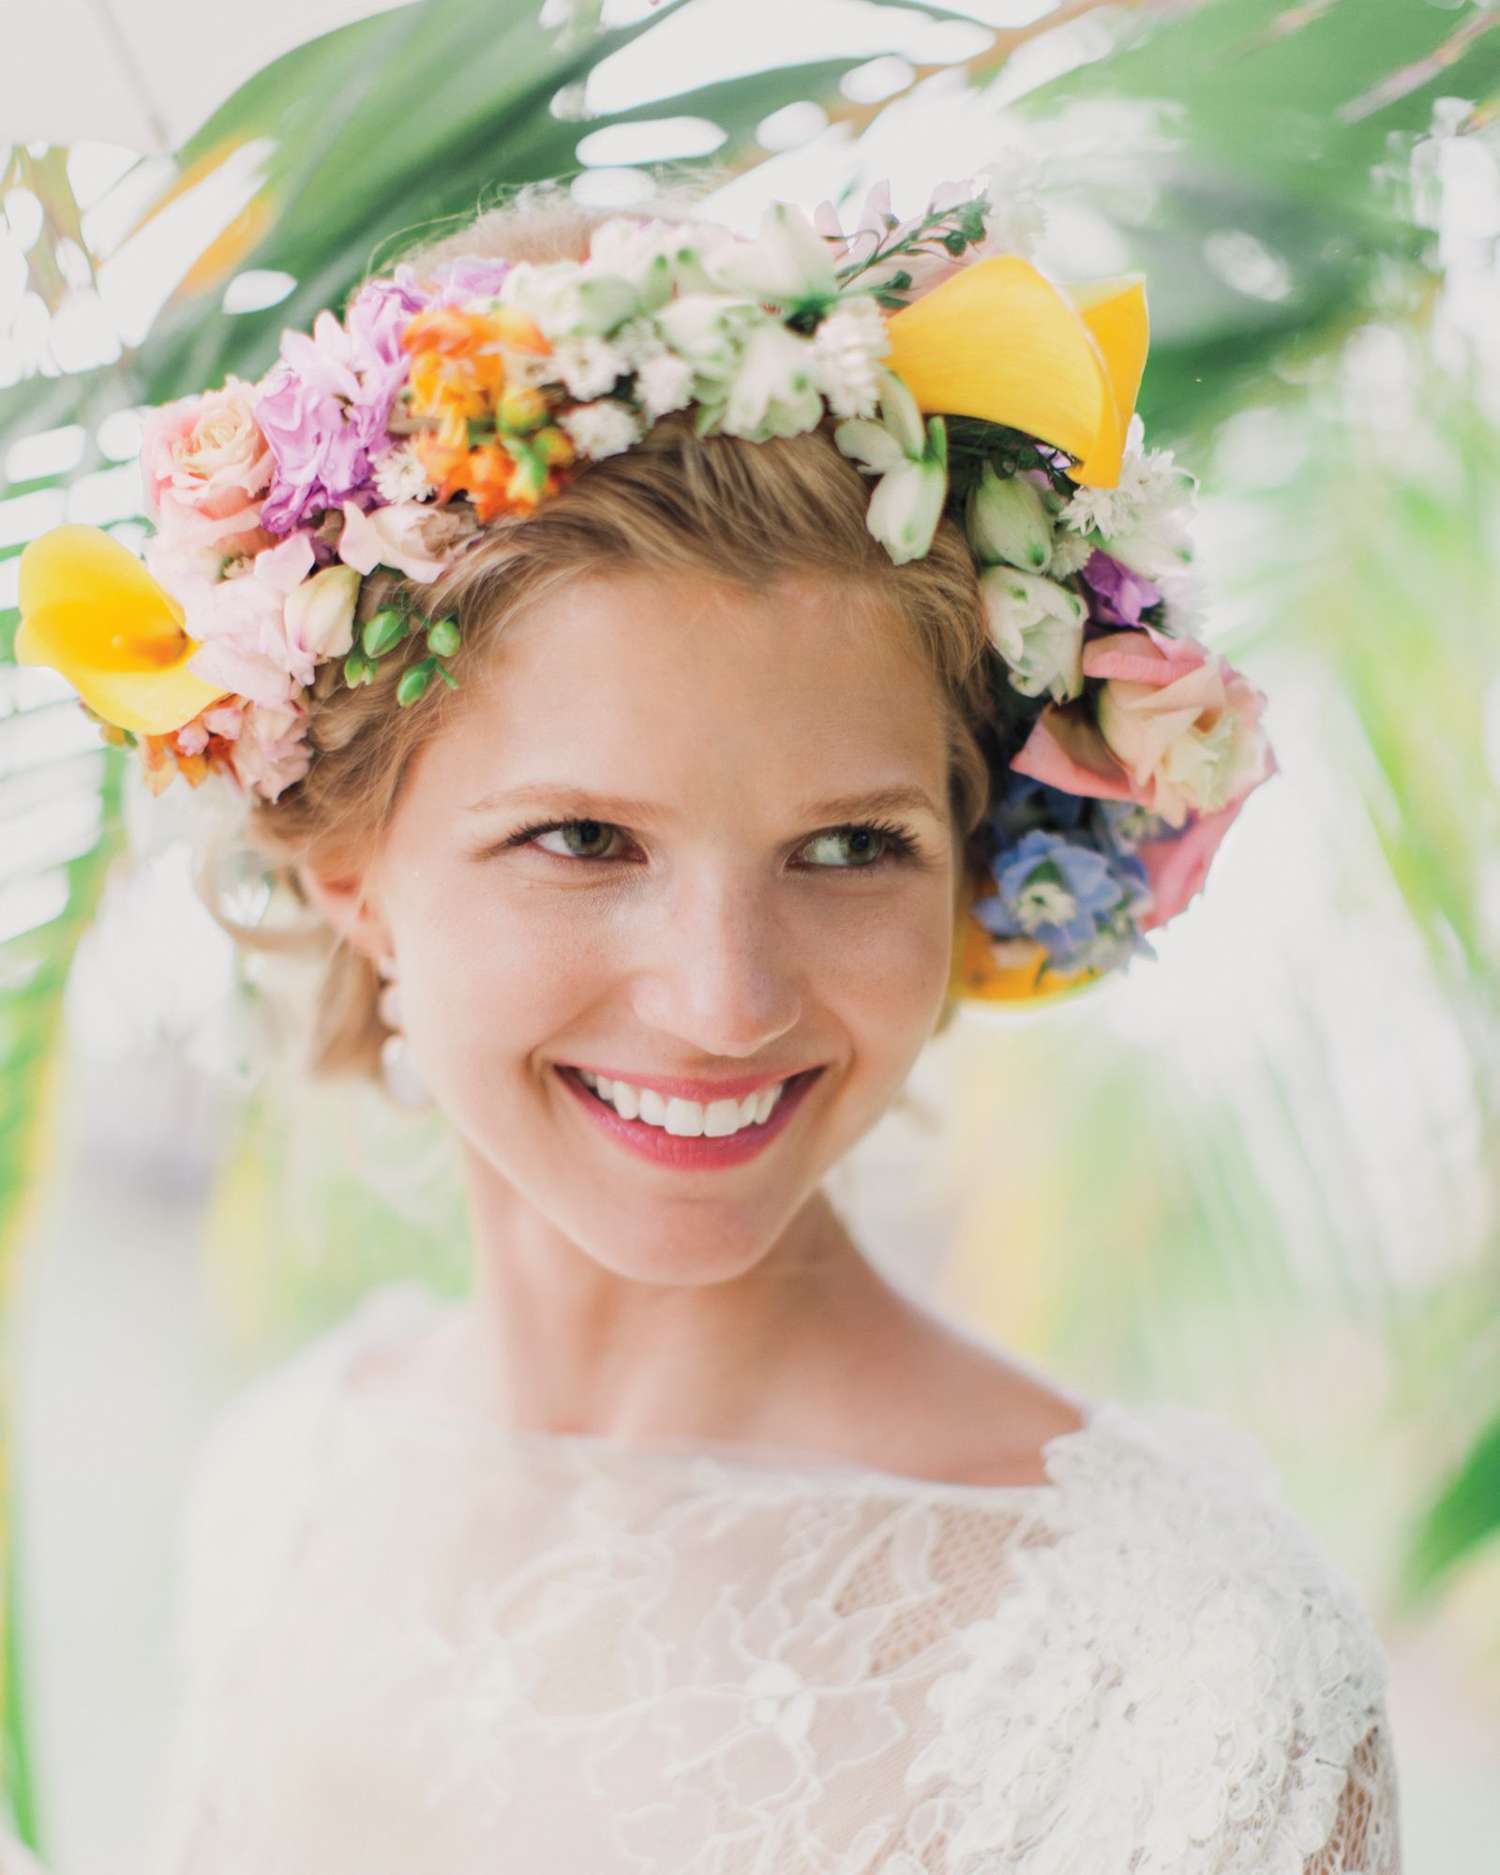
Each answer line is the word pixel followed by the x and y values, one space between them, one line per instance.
pixel 1120 595
pixel 326 405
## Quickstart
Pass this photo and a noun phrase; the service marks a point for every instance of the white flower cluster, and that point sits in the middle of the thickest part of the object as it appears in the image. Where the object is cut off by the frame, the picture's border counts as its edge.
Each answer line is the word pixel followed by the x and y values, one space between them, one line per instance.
pixel 1032 544
pixel 760 335
pixel 666 314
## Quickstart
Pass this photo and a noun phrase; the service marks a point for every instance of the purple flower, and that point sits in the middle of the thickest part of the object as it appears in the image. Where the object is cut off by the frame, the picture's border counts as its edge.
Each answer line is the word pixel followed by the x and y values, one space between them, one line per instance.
pixel 467 276
pixel 325 407
pixel 1120 596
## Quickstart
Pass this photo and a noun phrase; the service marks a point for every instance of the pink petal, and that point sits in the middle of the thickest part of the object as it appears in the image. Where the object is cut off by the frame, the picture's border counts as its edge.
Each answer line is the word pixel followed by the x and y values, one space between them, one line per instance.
pixel 1066 751
pixel 1143 657
pixel 1177 864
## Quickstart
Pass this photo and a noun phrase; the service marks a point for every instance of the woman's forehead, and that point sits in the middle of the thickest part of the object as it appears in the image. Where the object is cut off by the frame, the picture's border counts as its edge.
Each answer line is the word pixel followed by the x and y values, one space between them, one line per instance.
pixel 614 661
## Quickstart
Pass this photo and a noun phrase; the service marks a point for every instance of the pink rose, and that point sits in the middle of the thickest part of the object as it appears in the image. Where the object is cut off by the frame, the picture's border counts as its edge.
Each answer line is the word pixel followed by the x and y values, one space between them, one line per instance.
pixel 1177 864
pixel 1173 727
pixel 1178 731
pixel 417 538
pixel 241 623
pixel 206 466
pixel 271 750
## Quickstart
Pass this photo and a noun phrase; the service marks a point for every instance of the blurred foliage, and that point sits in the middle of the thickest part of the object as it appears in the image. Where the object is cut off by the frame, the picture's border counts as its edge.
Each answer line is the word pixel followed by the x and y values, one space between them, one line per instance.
pixel 1258 175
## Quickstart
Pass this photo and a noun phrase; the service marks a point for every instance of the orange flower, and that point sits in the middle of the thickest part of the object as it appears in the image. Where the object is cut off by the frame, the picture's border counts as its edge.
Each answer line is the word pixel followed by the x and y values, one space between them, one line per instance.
pixel 458 358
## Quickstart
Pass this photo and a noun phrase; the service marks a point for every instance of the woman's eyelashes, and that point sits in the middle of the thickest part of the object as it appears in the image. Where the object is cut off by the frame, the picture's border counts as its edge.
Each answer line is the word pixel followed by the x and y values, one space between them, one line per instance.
pixel 895 845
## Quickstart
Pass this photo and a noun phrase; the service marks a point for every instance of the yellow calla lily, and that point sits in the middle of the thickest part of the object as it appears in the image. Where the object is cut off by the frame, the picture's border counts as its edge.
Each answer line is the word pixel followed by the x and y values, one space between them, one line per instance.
pixel 998 340
pixel 976 976
pixel 90 610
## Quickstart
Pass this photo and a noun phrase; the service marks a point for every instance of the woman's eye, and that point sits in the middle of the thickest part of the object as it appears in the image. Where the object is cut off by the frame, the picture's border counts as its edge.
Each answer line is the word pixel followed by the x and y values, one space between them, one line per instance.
pixel 872 845
pixel 593 845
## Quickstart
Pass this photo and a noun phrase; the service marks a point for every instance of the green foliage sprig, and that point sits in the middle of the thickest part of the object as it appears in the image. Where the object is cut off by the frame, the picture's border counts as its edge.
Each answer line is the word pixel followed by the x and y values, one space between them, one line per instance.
pixel 392 627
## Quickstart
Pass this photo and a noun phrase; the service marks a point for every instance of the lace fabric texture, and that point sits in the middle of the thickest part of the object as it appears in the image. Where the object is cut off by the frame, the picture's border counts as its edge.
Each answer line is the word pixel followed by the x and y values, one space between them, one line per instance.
pixel 411 1640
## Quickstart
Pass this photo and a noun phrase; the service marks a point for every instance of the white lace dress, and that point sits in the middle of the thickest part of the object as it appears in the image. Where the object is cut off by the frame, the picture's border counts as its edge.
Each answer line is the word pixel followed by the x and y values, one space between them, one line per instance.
pixel 414 1643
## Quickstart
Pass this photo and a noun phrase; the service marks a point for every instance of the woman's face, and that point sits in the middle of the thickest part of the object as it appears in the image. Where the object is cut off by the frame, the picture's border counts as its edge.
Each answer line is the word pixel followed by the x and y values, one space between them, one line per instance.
pixel 698 914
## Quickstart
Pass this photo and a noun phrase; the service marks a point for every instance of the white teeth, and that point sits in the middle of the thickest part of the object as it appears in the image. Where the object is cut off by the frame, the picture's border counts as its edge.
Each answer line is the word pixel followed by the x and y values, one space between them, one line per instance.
pixel 687 1119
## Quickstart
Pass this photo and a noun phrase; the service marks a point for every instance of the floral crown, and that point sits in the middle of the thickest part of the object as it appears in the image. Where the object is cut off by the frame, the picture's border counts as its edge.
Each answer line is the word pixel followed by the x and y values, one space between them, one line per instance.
pixel 965 382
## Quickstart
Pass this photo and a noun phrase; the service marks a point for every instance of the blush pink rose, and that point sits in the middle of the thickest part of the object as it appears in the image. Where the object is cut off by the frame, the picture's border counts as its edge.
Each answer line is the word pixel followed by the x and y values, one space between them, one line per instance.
pixel 1177 864
pixel 1172 727
pixel 241 622
pixel 1178 731
pixel 416 538
pixel 272 750
pixel 206 467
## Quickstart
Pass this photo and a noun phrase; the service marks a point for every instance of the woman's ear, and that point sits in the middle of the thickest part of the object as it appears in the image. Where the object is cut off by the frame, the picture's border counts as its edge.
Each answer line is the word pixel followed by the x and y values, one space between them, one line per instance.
pixel 342 899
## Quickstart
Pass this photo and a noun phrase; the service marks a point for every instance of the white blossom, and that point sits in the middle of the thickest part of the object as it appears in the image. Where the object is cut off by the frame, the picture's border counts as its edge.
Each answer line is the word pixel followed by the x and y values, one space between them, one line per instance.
pixel 1152 497
pixel 847 349
pixel 587 366
pixel 399 475
pixel 1037 627
pixel 708 329
pixel 788 263
pixel 664 383
pixel 602 428
pixel 773 392
pixel 657 256
pixel 911 460
pixel 637 340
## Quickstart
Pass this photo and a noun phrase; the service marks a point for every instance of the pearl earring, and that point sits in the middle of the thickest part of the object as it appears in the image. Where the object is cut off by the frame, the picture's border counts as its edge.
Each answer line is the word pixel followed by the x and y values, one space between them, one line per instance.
pixel 399 1072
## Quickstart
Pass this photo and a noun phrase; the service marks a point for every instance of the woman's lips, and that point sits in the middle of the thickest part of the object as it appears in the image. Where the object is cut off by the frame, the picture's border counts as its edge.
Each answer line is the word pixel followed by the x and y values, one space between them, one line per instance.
pixel 663 1148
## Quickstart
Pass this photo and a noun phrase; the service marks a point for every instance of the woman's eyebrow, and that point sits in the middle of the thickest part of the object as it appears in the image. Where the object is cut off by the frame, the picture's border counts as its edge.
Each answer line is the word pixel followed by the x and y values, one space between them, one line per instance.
pixel 565 798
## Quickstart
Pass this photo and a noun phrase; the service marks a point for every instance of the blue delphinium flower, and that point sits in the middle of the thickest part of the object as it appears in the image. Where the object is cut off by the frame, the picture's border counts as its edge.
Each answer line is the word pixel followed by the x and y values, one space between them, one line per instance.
pixel 1066 876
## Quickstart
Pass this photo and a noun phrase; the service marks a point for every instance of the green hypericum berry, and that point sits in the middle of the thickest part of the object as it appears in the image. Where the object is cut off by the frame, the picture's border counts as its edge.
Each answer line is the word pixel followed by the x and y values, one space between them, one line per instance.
pixel 413 685
pixel 358 669
pixel 442 637
pixel 386 628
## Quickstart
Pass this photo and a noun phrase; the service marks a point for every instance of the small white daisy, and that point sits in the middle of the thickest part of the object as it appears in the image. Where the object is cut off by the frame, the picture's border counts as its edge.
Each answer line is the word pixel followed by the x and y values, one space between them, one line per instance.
pixel 399 475
pixel 664 383
pixel 1107 511
pixel 846 352
pixel 588 366
pixel 602 428
pixel 637 340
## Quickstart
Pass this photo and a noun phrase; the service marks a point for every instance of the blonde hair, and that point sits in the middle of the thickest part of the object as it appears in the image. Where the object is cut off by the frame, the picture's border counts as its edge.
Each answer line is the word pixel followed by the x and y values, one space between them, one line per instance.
pixel 673 503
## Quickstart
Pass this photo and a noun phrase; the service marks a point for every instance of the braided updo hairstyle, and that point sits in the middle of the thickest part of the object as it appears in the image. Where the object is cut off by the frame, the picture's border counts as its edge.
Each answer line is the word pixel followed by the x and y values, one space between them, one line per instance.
pixel 720 507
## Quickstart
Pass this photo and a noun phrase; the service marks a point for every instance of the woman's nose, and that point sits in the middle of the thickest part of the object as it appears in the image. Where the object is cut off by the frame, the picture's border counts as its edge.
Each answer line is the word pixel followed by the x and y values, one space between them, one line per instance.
pixel 724 975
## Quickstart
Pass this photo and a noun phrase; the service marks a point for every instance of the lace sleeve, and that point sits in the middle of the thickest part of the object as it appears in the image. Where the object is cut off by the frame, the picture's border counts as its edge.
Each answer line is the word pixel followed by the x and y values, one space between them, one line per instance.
pixel 1183 1681
pixel 1366 1830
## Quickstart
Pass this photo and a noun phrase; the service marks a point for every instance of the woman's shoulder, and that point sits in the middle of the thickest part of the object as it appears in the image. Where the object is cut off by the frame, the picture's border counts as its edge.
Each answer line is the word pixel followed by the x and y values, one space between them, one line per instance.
pixel 1202 1647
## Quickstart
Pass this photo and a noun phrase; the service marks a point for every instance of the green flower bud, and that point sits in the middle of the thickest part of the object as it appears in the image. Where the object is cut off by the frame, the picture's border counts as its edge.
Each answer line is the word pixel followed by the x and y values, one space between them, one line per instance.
pixel 442 637
pixel 358 669
pixel 413 685
pixel 385 629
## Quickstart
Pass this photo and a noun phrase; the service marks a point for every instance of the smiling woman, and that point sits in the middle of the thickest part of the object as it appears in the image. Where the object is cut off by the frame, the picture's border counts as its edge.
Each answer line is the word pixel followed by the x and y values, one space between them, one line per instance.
pixel 720 544
pixel 685 1541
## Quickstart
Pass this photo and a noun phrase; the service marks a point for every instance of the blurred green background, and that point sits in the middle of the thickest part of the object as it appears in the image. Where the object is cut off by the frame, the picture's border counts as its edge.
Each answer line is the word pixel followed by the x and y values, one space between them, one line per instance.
pixel 1262 1173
